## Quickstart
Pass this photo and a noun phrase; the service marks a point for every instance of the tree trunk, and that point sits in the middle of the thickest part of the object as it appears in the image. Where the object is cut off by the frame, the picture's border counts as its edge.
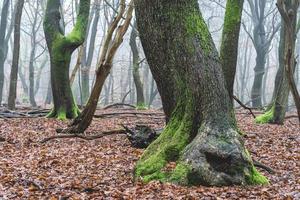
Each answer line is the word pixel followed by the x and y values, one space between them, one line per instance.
pixel 32 58
pixel 3 43
pixel 276 112
pixel 288 10
pixel 110 47
pixel 85 70
pixel 49 96
pixel 259 70
pixel 201 135
pixel 140 99
pixel 16 52
pixel 230 41
pixel 82 122
pixel 61 48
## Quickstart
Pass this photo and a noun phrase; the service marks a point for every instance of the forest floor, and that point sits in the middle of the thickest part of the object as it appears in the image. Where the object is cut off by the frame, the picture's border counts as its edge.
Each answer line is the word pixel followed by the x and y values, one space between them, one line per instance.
pixel 102 168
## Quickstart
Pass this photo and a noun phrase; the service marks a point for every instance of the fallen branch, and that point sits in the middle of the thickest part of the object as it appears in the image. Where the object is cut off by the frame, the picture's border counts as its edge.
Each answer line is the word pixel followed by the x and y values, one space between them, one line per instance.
pixel 92 137
pixel 127 113
pixel 262 166
pixel 119 104
pixel 244 106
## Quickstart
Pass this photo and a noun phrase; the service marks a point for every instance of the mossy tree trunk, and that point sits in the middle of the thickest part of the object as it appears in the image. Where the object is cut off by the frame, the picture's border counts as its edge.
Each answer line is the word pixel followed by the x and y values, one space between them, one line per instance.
pixel 230 41
pixel 201 136
pixel 61 48
pixel 140 99
pixel 16 53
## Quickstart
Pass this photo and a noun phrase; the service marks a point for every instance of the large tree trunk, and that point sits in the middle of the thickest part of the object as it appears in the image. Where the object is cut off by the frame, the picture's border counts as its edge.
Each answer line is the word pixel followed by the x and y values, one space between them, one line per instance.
pixel 15 62
pixel 61 48
pixel 230 41
pixel 140 99
pixel 3 43
pixel 201 135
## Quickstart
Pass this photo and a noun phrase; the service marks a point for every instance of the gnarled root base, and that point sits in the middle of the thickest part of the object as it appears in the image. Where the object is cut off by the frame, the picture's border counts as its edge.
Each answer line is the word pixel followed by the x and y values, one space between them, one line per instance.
pixel 216 157
pixel 62 114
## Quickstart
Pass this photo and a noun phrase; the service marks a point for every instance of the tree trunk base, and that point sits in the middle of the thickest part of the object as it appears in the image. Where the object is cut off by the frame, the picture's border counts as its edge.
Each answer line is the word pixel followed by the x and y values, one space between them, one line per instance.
pixel 62 114
pixel 215 157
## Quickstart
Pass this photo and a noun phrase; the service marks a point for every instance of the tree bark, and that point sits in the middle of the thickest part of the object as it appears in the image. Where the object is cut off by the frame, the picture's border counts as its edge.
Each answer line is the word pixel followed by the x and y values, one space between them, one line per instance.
pixel 16 52
pixel 61 48
pixel 201 135
pixel 230 41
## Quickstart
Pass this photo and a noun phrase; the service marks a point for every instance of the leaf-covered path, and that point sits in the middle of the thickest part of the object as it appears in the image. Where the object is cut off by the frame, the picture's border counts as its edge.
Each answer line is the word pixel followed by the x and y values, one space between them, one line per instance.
pixel 103 168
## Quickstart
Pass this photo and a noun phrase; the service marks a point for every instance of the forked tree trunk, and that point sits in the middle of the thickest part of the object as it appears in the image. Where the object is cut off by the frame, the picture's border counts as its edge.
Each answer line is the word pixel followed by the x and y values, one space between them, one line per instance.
pixel 230 41
pixel 201 136
pixel 140 99
pixel 61 48
pixel 15 62
pixel 112 42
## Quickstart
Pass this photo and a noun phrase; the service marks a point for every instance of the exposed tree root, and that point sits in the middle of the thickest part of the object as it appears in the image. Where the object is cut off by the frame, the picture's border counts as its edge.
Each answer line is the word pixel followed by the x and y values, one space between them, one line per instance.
pixel 92 137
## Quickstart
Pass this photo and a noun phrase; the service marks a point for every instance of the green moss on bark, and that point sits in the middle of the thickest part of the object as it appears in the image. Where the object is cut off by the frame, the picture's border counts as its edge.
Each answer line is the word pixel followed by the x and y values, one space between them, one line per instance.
pixel 196 25
pixel 233 15
pixel 167 147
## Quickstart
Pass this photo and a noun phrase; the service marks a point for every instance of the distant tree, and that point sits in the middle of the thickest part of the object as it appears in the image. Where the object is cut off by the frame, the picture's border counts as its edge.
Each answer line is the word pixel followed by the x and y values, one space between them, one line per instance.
pixel 16 52
pixel 262 40
pixel 61 48
pixel 89 53
pixel 277 110
pixel 140 99
pixel 4 37
pixel 201 136
pixel 34 30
